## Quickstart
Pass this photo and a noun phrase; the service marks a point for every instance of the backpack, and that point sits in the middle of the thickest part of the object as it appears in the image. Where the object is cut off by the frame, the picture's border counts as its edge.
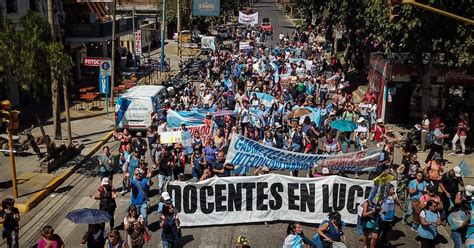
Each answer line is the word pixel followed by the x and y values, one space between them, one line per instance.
pixel 430 138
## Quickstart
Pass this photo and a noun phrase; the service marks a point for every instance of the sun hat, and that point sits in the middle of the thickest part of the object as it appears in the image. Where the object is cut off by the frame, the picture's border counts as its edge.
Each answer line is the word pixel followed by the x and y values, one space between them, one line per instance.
pixel 105 181
pixel 457 171
pixel 379 120
pixel 360 120
pixel 325 171
pixel 242 240
pixel 469 190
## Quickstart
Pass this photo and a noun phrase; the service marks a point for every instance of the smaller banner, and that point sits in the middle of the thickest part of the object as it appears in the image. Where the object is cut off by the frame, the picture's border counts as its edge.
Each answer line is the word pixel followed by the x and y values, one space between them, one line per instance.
pixel 206 7
pixel 244 45
pixel 203 130
pixel 250 153
pixel 170 137
pixel 248 19
pixel 190 118
pixel 271 197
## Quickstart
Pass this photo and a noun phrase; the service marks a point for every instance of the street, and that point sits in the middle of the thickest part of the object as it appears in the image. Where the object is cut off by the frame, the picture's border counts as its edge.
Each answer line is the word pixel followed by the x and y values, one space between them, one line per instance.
pixel 74 193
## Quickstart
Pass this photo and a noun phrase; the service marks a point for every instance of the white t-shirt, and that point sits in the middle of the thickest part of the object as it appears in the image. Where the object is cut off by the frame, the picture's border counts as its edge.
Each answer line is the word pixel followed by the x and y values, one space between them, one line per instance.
pixel 425 123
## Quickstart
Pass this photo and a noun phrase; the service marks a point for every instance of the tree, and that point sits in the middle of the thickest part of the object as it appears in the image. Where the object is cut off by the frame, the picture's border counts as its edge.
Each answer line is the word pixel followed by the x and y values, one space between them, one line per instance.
pixel 27 54
pixel 422 34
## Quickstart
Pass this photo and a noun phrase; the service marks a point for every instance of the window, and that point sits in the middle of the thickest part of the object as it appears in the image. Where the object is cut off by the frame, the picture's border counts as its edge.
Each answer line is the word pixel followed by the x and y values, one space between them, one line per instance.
pixel 12 6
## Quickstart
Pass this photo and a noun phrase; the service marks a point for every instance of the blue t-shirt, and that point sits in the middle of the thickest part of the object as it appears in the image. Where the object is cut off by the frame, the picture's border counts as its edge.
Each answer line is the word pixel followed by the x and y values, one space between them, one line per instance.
pixel 419 189
pixel 138 196
pixel 219 166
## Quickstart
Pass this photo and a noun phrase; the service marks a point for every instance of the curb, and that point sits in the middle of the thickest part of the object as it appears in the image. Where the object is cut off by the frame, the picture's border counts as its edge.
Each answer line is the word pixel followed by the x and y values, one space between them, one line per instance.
pixel 53 184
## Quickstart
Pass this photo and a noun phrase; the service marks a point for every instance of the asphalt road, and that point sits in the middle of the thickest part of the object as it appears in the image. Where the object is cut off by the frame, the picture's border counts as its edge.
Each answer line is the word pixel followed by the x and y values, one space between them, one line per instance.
pixel 74 193
pixel 280 22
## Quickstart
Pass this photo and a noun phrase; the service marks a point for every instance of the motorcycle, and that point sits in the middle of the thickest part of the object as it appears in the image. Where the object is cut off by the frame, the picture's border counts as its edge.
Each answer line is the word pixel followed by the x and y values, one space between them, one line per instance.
pixel 21 143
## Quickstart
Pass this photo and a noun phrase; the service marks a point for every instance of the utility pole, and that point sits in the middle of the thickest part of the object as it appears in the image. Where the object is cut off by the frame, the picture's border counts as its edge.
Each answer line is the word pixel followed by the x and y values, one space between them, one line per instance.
pixel 112 67
pixel 180 37
pixel 133 41
pixel 54 81
pixel 66 106
pixel 11 121
pixel 162 55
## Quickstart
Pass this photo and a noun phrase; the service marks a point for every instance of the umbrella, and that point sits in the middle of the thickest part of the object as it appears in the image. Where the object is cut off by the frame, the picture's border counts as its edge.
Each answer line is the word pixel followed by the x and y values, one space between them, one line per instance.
pixel 298 113
pixel 343 125
pixel 88 216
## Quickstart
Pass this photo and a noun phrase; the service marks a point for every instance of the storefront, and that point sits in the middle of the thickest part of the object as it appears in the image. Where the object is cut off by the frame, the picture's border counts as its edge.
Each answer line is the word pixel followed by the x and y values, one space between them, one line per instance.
pixel 399 96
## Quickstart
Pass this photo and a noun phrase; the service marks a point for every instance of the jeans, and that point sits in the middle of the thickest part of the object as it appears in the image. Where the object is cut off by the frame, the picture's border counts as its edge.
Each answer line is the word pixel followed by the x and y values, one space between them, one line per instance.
pixel 143 211
pixel 161 182
pixel 12 239
pixel 462 140
pixel 458 238
pixel 167 244
pixel 409 211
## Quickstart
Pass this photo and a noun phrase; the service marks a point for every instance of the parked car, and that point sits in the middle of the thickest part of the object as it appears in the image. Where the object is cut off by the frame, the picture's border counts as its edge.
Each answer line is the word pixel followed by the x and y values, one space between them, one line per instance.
pixel 195 35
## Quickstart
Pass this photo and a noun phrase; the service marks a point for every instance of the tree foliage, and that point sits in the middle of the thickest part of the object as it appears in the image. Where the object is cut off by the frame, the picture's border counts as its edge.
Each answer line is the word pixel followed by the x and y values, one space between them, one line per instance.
pixel 417 32
pixel 27 53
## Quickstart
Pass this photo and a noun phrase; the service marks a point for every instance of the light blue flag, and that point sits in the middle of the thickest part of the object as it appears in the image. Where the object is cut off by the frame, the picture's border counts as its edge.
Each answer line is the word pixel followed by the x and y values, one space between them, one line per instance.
pixel 190 118
pixel 265 99
pixel 465 169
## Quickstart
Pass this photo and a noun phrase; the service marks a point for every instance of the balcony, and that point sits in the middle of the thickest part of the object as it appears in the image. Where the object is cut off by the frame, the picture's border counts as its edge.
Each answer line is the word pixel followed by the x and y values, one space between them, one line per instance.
pixel 99 31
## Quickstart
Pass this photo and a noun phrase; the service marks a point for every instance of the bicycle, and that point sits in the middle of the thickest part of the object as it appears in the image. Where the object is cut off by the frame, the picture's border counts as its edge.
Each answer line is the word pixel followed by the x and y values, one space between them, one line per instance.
pixel 402 192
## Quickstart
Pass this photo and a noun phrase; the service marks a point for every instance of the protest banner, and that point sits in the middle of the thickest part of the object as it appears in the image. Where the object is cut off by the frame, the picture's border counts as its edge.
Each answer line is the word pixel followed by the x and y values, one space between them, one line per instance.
pixel 250 153
pixel 245 45
pixel 170 137
pixel 271 197
pixel 248 19
pixel 203 130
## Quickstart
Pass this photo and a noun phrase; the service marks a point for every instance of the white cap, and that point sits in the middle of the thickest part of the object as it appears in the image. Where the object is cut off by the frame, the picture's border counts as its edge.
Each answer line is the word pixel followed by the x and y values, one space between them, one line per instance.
pixel 457 171
pixel 360 120
pixel 325 171
pixel 165 196
pixel 469 190
pixel 105 181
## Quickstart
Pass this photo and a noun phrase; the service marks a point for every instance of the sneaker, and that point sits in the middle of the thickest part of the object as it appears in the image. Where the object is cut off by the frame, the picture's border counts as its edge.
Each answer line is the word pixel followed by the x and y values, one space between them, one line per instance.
pixel 461 154
pixel 404 221
pixel 452 154
pixel 413 229
pixel 123 192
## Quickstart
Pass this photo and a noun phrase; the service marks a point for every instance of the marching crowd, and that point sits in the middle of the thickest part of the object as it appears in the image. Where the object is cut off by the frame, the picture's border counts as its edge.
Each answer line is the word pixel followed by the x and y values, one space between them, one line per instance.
pixel 308 91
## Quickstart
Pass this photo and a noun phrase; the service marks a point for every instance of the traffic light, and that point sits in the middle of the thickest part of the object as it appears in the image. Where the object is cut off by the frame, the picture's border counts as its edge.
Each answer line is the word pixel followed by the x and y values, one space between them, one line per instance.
pixel 9 118
pixel 395 6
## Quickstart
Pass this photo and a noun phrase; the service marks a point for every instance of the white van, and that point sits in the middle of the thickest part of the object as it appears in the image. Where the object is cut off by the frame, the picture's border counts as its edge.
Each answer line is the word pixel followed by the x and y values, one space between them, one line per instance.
pixel 137 106
pixel 208 43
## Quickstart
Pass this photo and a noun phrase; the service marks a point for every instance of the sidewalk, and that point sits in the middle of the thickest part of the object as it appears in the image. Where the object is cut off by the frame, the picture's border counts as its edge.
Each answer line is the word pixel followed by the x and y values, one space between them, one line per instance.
pixel 91 129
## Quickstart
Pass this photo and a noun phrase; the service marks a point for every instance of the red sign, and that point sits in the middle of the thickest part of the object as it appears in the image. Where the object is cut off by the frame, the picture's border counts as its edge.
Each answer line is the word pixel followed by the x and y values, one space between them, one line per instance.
pixel 458 76
pixel 93 61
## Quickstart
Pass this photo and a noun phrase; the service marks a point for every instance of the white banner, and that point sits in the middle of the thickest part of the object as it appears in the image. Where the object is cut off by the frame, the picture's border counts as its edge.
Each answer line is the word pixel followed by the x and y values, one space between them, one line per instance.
pixel 271 197
pixel 248 19
pixel 170 137
pixel 246 152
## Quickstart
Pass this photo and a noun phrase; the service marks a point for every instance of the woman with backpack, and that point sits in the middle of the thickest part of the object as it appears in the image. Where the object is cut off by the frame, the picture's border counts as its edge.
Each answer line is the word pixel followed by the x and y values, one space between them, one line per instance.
pixel 106 194
pixel 134 227
pixel 369 223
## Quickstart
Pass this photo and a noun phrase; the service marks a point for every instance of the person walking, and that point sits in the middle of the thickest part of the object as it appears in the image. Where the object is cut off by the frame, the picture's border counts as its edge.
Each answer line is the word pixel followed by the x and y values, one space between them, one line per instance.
pixel 134 227
pixel 106 162
pixel 461 135
pixel 425 129
pixel 95 236
pixel 331 231
pixel 10 218
pixel 115 240
pixel 429 222
pixel 49 239
pixel 106 194
pixel 169 222
pixel 140 186
pixel 387 214
pixel 437 145
pixel 295 237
